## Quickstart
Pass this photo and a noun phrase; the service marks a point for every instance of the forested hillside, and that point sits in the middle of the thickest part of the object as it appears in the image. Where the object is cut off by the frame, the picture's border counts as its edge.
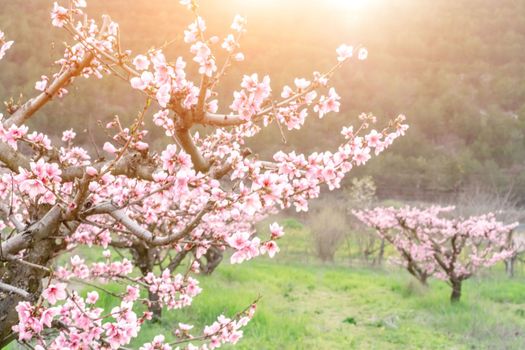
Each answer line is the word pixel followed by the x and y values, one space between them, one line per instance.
pixel 455 68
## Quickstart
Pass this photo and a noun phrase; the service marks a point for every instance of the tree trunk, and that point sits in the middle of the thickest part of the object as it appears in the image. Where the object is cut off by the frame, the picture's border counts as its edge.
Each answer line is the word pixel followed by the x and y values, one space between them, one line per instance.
pixel 382 253
pixel 509 266
pixel 144 258
pixel 456 291
pixel 213 259
pixel 423 279
pixel 155 307
pixel 26 278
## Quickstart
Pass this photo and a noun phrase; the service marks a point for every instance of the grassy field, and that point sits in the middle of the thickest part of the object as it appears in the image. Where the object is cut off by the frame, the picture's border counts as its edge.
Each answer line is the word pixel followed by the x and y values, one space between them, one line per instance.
pixel 308 305
pixel 328 307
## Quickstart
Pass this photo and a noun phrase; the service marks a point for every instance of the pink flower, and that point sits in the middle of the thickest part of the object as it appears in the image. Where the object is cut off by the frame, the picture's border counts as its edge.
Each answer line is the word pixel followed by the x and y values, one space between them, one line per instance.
pixel 229 43
pixel 164 95
pixel 42 84
pixel 91 171
pixel 143 81
pixel 185 327
pixel 270 247
pixel 4 46
pixel 54 293
pixel 187 3
pixel 344 52
pixel 92 297
pixel 59 15
pixel 239 57
pixel 276 230
pixel 68 135
pixel 141 62
pixel 328 104
pixel 373 138
pixel 108 147
pixel 141 146
pixel 132 293
pixel 238 240
pixel 239 23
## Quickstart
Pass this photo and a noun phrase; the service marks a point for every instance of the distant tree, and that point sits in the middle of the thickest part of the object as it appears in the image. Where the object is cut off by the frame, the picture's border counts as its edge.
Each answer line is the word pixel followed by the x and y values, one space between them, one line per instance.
pixel 476 200
pixel 329 226
pixel 450 249
pixel 361 195
pixel 197 194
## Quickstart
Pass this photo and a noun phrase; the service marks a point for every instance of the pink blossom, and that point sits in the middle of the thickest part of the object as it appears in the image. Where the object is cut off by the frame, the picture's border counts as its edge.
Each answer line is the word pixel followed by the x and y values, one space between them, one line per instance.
pixel 270 247
pixel 141 62
pixel 92 297
pixel 344 52
pixel 239 23
pixel 54 293
pixel 4 45
pixel 68 135
pixel 276 230
pixel 108 147
pixel 42 84
pixel 59 15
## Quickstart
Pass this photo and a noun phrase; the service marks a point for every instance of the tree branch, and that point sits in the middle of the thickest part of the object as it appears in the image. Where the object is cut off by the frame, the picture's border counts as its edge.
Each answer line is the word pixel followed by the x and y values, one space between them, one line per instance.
pixel 11 158
pixel 140 232
pixel 12 289
pixel 11 217
pixel 186 141
pixel 39 230
pixel 30 107
pixel 129 165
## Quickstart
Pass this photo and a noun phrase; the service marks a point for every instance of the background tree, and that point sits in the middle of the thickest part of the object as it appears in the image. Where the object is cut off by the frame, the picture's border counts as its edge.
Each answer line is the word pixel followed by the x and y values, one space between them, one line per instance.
pixel 450 249
pixel 329 227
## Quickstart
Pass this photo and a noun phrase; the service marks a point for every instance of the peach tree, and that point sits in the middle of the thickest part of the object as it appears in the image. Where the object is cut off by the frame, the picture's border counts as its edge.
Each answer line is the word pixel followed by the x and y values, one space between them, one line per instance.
pixel 431 244
pixel 146 209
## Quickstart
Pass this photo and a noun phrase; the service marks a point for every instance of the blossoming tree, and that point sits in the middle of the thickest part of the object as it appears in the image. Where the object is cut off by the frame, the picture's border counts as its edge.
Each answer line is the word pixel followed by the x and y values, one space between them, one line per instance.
pixel 430 244
pixel 201 192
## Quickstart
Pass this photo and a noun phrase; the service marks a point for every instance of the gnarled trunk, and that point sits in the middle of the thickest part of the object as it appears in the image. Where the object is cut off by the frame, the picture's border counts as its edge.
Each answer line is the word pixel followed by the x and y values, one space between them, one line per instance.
pixel 26 278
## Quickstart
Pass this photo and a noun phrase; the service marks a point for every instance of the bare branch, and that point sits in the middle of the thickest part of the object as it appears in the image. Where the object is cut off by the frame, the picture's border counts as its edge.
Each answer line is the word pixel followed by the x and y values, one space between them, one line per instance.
pixel 12 289
pixel 140 232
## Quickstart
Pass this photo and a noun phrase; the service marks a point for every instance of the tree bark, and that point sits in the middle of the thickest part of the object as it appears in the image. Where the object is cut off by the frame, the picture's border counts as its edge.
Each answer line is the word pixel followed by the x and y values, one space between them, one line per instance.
pixel 144 258
pixel 213 259
pixel 509 266
pixel 381 252
pixel 24 277
pixel 456 291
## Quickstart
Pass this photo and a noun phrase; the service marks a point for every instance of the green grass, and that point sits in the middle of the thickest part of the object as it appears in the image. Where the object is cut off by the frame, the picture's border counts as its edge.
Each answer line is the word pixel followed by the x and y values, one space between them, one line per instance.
pixel 307 305
pixel 313 306
pixel 328 307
